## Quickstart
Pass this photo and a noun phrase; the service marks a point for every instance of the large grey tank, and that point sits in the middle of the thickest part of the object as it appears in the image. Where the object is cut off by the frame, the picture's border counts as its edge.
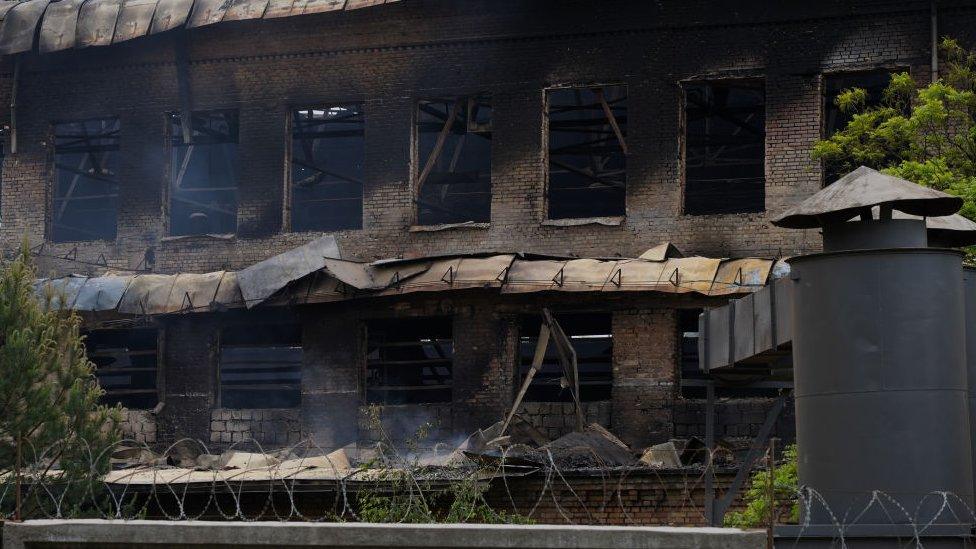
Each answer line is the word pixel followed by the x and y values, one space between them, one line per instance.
pixel 969 287
pixel 881 386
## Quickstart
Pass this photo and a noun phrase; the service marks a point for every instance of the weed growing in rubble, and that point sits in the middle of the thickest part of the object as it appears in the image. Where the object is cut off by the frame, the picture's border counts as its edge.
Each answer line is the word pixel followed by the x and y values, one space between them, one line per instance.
pixel 409 490
pixel 756 512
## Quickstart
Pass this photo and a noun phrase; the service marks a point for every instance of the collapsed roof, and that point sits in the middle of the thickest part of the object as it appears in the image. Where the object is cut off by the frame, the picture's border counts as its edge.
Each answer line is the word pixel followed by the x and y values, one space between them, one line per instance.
pixel 65 24
pixel 861 190
pixel 314 273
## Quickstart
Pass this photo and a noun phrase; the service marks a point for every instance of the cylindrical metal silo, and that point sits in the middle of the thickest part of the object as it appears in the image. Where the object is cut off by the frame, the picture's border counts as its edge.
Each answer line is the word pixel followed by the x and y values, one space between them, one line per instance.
pixel 880 383
pixel 969 289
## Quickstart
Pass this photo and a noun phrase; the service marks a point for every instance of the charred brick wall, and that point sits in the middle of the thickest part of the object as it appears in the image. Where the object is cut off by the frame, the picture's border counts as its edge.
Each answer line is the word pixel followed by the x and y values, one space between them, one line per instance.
pixel 390 56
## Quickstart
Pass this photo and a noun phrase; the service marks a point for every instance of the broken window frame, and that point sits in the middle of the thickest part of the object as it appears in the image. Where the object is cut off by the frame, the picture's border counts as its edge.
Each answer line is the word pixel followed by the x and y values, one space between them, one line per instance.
pixel 435 203
pixel 306 139
pixel 100 149
pixel 386 337
pixel 207 139
pixel 832 119
pixel 730 195
pixel 283 345
pixel 137 352
pixel 606 168
pixel 595 385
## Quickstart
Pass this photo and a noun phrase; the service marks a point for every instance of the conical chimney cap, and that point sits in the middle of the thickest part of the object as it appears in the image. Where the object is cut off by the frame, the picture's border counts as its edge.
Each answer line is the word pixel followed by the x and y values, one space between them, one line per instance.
pixel 865 188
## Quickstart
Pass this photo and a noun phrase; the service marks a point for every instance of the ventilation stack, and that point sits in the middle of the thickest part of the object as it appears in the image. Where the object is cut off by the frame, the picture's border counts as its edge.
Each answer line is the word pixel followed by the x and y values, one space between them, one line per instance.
pixel 879 351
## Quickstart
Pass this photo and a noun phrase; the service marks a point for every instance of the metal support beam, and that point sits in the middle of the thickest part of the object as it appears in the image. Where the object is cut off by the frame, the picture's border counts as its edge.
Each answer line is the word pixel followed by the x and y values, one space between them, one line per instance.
pixel 756 449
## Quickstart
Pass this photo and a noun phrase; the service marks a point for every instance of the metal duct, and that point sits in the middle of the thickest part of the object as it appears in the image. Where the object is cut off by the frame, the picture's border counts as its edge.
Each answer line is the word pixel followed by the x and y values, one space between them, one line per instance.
pixel 880 383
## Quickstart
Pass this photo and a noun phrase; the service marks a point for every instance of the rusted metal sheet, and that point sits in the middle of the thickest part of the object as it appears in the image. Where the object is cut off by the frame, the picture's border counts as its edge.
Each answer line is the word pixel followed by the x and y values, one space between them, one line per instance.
pixel 688 274
pixel 229 292
pixel 584 275
pixel 6 6
pixel 661 252
pixel 635 275
pixel 862 189
pixel 207 12
pixel 284 8
pixel 19 26
pixel 102 293
pixel 438 277
pixel 393 274
pixel 170 14
pixel 357 275
pixel 245 9
pixel 741 276
pixel 318 287
pixel 96 22
pixel 59 27
pixel 261 280
pixel 193 292
pixel 147 295
pixel 483 272
pixel 320 6
pixel 532 276
pixel 134 21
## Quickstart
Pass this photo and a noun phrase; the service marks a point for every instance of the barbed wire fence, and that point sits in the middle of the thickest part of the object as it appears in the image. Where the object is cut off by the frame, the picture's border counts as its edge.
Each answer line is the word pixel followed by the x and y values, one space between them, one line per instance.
pixel 396 486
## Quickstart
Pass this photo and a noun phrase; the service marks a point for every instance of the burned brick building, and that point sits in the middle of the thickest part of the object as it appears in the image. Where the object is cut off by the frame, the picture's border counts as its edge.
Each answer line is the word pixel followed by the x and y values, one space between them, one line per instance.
pixel 283 213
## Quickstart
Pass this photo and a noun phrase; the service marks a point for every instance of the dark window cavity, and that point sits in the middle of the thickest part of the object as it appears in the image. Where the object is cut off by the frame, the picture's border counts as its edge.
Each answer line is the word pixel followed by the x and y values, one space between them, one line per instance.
pixel 86 188
pixel 725 134
pixel 592 339
pixel 327 154
pixel 834 120
pixel 204 174
pixel 261 366
pixel 454 160
pixel 409 360
pixel 587 151
pixel 125 365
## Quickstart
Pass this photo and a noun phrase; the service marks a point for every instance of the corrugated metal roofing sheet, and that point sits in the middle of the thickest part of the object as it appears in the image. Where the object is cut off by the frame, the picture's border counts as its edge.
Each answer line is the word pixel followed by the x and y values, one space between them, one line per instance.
pixel 309 274
pixel 69 24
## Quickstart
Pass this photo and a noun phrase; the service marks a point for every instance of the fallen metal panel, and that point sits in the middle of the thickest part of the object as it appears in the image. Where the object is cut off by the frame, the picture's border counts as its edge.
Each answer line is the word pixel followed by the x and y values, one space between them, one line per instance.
pixel 59 28
pixel 193 292
pixel 147 294
pixel 284 8
pixel 259 281
pixel 19 26
pixel 532 276
pixel 207 12
pixel 744 335
pixel 245 9
pixel 170 14
pixel 357 275
pixel 320 6
pixel 102 293
pixel 135 18
pixel 318 287
pixel 96 22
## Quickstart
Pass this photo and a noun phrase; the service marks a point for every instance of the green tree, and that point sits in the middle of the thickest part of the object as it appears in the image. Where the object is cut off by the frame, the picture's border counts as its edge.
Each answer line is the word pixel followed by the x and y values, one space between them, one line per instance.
pixel 922 134
pixel 50 419
pixel 755 514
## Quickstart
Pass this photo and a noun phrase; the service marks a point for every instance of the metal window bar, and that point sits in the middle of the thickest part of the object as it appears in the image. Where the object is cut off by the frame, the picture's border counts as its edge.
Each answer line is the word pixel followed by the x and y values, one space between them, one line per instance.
pixel 327 167
pixel 409 363
pixel 454 168
pixel 126 365
pixel 587 151
pixel 725 147
pixel 85 198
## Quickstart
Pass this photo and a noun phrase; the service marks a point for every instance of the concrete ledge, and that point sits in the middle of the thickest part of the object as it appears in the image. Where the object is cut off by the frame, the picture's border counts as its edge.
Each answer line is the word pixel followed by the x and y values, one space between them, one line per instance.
pixel 152 533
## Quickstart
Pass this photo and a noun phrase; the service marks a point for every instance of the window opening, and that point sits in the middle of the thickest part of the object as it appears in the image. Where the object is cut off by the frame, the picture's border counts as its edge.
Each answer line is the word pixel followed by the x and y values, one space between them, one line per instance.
pixel 592 338
pixel 261 366
pixel 409 361
pixel 86 189
pixel 126 363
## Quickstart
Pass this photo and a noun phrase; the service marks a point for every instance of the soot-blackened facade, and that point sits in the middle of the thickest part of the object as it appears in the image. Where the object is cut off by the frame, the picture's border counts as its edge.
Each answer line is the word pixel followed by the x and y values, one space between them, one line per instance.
pixel 424 128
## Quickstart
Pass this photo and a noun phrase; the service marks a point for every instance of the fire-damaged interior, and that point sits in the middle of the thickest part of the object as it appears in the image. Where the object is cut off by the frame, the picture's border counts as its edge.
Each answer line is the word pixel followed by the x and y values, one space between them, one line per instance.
pixel 587 151
pixel 86 189
pixel 454 160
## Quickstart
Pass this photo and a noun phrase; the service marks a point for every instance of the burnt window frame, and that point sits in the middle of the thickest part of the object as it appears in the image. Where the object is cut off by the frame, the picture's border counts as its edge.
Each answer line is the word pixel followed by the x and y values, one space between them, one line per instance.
pixel 683 136
pixel 287 367
pixel 53 201
pixel 419 163
pixel 174 141
pixel 379 393
pixel 611 136
pixel 157 368
pixel 827 176
pixel 289 192
pixel 569 321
